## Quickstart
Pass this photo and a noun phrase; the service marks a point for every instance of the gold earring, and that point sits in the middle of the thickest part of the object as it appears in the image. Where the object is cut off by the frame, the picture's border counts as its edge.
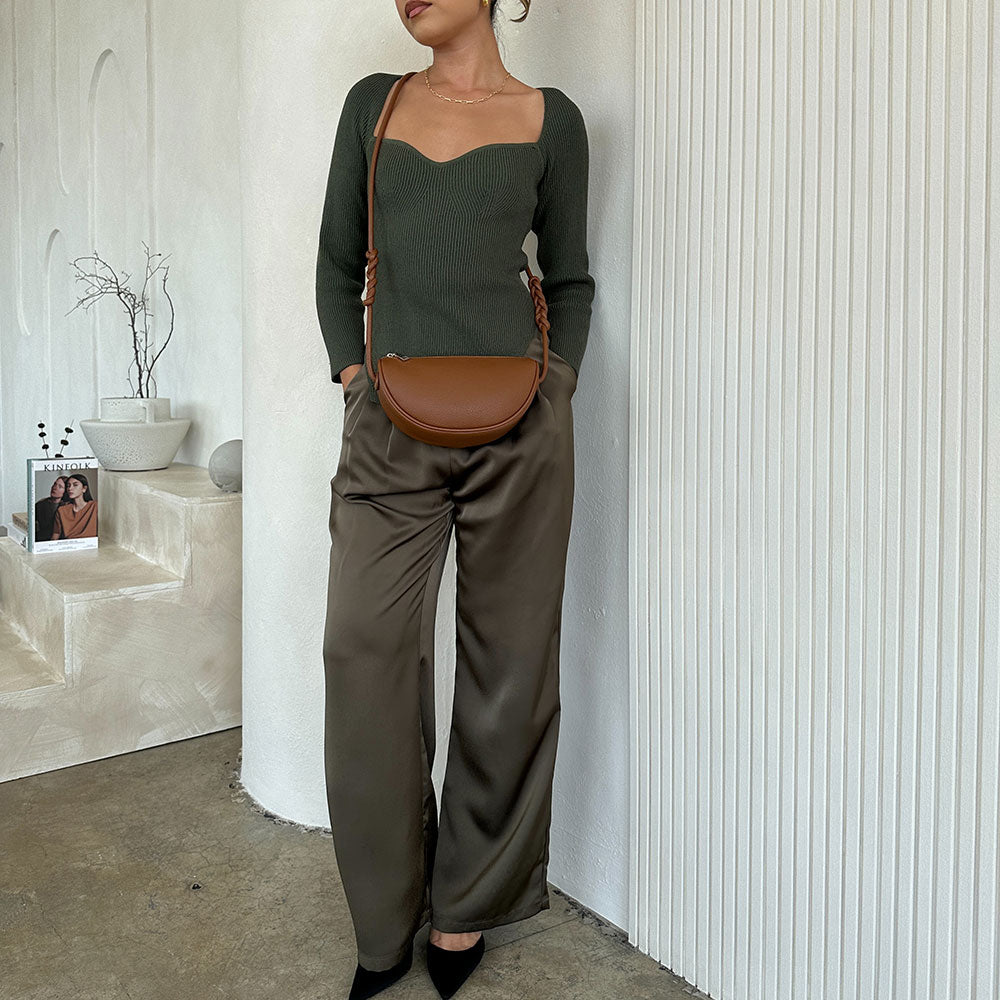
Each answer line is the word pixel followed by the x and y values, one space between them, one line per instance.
pixel 486 3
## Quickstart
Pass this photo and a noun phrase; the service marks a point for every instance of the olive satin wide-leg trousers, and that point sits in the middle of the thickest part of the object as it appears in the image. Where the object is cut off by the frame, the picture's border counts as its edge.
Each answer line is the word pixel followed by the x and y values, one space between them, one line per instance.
pixel 395 501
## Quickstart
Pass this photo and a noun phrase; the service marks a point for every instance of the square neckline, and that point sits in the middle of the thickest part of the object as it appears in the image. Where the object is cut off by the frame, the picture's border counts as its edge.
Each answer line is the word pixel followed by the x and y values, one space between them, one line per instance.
pixel 475 149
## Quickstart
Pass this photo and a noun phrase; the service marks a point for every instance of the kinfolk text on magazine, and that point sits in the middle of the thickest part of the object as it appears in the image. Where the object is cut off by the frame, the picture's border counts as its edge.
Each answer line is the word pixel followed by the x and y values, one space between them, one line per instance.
pixel 62 504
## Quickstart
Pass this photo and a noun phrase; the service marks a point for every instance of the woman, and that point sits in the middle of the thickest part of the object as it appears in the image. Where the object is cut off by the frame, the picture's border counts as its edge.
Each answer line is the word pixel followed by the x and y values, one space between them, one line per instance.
pixel 471 160
pixel 78 517
pixel 45 509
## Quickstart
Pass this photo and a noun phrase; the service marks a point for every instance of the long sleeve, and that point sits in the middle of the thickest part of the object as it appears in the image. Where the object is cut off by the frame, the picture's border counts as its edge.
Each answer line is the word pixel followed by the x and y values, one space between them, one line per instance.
pixel 560 223
pixel 343 240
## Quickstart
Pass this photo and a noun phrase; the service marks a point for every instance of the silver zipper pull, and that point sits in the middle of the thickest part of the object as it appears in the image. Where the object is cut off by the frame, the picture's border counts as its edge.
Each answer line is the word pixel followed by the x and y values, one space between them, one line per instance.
pixel 402 357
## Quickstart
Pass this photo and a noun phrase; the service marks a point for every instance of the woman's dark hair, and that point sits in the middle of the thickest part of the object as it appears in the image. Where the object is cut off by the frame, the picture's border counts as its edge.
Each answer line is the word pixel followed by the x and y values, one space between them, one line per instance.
pixel 493 11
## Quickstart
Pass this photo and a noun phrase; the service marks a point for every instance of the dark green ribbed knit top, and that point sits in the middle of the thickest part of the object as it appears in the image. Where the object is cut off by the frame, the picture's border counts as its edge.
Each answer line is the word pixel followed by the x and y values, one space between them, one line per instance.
pixel 449 236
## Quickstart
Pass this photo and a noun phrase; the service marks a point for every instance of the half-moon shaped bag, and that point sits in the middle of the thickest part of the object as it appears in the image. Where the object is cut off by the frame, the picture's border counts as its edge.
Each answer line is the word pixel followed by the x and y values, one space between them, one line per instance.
pixel 451 400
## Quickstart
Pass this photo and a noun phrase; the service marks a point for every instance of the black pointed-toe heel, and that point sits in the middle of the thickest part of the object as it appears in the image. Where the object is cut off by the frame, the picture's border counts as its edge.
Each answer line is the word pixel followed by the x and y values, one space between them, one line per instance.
pixel 449 969
pixel 368 983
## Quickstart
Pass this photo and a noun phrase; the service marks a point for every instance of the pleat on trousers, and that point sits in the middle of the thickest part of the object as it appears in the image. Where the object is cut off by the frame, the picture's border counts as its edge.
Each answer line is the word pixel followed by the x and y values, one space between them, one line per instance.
pixel 394 504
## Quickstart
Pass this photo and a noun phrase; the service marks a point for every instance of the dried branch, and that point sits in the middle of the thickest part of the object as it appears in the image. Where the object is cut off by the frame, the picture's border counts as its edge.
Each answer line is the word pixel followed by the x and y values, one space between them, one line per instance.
pixel 101 280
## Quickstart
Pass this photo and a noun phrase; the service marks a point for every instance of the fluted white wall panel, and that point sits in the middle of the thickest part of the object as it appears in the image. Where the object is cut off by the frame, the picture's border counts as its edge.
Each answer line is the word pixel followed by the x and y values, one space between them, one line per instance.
pixel 815 484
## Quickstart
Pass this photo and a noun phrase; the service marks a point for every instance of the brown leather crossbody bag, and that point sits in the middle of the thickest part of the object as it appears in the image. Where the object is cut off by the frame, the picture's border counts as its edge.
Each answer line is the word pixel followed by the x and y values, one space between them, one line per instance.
pixel 452 400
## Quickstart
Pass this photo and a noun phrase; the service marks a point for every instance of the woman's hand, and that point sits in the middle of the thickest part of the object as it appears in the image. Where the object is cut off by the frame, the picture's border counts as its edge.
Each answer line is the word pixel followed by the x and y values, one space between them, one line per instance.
pixel 348 374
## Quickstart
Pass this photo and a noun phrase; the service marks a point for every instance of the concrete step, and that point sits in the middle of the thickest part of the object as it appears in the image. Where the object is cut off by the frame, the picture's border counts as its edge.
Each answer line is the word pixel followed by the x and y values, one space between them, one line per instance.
pixel 131 644
pixel 37 588
pixel 149 513
pixel 22 667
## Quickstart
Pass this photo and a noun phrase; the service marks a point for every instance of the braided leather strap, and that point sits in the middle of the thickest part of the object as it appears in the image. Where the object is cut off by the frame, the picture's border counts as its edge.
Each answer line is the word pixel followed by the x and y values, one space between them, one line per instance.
pixel 371 256
pixel 541 307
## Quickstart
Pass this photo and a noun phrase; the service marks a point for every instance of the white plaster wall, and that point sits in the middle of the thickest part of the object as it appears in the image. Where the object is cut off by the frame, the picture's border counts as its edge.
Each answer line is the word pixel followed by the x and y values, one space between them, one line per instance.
pixel 118 125
pixel 297 65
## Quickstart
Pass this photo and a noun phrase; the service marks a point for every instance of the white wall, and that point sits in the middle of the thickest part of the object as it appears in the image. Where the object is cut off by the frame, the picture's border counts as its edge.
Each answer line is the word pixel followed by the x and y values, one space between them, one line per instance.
pixel 815 487
pixel 117 126
pixel 296 69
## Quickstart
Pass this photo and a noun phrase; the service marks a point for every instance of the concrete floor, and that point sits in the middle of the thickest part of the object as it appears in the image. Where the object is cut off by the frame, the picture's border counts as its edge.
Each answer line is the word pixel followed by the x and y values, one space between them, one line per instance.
pixel 153 876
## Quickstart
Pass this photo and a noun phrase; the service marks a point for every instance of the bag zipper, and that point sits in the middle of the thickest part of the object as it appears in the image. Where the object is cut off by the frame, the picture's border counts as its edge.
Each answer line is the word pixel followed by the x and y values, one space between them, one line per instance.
pixel 402 357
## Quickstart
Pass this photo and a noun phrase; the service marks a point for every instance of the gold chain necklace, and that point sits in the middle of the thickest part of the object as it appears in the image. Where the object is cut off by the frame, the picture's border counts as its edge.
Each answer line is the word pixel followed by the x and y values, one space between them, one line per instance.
pixel 459 100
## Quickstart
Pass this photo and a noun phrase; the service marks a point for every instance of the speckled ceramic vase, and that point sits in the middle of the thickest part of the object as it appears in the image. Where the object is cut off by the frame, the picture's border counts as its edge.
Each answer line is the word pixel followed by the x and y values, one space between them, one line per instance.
pixel 135 434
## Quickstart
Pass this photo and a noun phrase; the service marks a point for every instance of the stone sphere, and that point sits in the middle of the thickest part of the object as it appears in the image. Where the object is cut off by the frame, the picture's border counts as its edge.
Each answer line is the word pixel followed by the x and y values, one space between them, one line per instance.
pixel 226 466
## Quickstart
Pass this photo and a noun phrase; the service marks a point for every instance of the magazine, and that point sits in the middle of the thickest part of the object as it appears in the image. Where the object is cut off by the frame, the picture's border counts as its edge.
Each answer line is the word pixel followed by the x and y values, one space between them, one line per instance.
pixel 62 504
